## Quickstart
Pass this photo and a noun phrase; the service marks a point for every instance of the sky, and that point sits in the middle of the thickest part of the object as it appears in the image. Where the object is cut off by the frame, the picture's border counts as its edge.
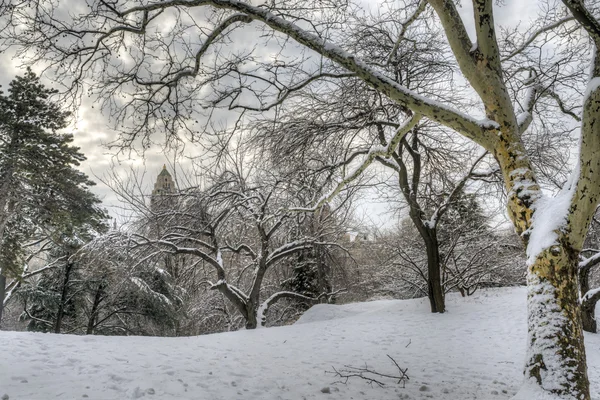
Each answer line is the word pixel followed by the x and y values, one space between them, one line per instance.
pixel 93 130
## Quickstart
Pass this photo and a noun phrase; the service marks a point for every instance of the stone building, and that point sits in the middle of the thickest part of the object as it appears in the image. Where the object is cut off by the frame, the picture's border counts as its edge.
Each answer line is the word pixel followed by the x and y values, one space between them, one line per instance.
pixel 163 188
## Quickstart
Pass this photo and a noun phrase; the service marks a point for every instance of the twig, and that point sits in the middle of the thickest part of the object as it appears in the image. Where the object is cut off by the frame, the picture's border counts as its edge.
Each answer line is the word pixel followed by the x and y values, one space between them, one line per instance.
pixel 369 375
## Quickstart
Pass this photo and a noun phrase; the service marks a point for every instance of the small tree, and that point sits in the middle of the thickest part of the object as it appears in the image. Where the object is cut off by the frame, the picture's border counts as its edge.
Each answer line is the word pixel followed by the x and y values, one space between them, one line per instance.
pixel 239 226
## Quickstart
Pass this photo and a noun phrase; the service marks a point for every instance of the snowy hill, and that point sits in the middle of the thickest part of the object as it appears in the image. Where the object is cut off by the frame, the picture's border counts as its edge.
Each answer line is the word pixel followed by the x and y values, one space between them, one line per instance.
pixel 475 351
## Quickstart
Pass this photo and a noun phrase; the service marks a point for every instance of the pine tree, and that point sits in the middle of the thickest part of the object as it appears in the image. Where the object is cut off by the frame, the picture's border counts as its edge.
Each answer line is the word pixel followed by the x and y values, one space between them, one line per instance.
pixel 41 191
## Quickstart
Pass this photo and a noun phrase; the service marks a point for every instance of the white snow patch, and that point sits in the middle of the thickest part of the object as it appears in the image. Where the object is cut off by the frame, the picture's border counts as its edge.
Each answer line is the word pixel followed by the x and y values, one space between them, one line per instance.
pixel 592 86
pixel 474 47
pixel 523 117
pixel 530 390
pixel 549 217
pixel 219 258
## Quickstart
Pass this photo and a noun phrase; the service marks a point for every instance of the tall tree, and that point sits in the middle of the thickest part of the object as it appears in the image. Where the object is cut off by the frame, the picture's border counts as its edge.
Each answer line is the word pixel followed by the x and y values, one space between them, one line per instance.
pixel 507 73
pixel 42 194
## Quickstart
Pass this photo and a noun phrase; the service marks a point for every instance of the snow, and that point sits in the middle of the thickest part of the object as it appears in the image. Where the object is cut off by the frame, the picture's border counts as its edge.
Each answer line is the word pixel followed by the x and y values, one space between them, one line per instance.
pixel 474 351
pixel 523 117
pixel 592 85
pixel 219 258
pixel 146 289
pixel 549 217
pixel 547 322
pixel 530 390
pixel 591 293
pixel 474 47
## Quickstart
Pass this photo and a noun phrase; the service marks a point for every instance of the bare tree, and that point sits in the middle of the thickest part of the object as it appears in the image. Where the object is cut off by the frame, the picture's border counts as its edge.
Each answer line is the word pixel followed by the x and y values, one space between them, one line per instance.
pixel 163 82
pixel 240 227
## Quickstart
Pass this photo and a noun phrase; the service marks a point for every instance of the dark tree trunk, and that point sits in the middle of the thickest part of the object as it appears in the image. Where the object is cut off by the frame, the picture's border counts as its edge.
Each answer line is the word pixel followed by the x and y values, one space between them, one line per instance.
pixel 588 317
pixel 63 298
pixel 94 312
pixel 435 290
pixel 251 322
pixel 2 294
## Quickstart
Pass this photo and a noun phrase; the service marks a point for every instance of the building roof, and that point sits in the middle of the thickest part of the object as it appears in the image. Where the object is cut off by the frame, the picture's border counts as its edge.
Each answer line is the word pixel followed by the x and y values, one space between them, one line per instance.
pixel 164 171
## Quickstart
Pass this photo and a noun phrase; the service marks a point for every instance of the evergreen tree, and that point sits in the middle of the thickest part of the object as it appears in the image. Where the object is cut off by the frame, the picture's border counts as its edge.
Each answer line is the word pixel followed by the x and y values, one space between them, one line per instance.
pixel 41 191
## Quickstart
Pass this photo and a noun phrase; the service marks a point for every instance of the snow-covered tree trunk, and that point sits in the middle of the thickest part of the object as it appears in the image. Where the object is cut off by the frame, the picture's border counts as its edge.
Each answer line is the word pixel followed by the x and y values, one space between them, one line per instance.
pixel 556 359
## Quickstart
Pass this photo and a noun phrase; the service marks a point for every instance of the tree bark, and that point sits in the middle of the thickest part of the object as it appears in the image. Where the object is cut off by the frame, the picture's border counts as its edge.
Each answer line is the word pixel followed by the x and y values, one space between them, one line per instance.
pixel 434 278
pixel 2 294
pixel 588 317
pixel 435 291
pixel 94 312
pixel 63 298
pixel 588 309
pixel 252 313
pixel 556 353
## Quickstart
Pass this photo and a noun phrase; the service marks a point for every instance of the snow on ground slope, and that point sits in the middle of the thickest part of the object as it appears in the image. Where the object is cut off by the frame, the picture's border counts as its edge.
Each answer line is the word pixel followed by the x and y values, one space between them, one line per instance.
pixel 475 351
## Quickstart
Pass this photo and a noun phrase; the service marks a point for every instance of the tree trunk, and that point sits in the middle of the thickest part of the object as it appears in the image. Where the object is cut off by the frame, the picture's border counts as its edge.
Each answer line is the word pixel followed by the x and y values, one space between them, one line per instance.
pixel 63 298
pixel 556 354
pixel 252 313
pixel 434 277
pixel 588 318
pixel 2 294
pixel 588 310
pixel 94 312
pixel 435 291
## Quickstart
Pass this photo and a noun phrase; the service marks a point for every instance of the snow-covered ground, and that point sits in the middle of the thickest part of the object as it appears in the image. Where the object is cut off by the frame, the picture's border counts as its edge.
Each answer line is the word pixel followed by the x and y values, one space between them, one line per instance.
pixel 475 351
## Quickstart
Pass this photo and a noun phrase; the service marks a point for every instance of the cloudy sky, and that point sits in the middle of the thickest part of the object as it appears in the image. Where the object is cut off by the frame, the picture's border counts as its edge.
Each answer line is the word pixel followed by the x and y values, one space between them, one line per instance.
pixel 93 130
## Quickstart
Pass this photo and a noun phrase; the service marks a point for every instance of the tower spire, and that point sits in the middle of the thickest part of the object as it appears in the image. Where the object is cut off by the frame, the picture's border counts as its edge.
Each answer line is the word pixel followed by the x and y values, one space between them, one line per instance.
pixel 163 187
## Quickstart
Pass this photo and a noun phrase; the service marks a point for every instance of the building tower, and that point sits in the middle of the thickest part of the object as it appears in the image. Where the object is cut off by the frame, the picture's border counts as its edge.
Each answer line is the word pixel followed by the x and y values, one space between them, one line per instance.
pixel 163 187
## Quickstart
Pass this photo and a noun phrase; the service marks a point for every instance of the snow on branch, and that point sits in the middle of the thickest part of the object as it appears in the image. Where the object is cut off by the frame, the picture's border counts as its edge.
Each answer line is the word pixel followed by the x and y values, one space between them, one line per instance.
pixel 274 298
pixel 372 155
pixel 239 248
pixel 432 109
pixel 143 286
pixel 592 296
pixel 288 249
pixel 585 18
pixel 589 262
pixel 229 290
pixel 173 248
pixel 526 117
